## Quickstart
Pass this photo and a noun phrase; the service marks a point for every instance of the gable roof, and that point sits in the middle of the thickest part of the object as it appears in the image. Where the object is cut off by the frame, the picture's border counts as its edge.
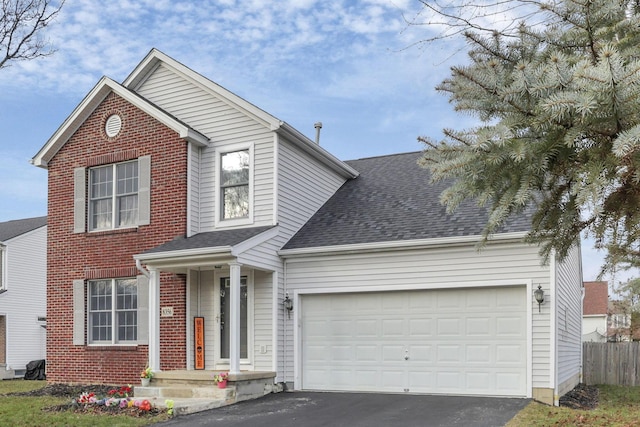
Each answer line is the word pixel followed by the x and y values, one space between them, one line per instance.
pixel 392 200
pixel 15 228
pixel 224 239
pixel 93 99
pixel 155 57
pixel 596 298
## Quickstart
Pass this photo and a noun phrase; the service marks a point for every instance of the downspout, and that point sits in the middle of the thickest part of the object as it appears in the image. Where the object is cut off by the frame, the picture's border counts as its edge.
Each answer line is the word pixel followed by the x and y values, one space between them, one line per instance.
pixel 142 270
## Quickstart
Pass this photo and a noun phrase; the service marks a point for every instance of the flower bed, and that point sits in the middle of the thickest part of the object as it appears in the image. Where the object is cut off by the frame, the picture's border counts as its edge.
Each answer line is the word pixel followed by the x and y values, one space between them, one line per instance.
pixel 116 402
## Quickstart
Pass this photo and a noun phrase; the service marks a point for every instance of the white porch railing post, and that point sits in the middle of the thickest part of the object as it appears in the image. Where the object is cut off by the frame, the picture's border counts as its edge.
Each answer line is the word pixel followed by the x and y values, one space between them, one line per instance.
pixel 154 320
pixel 234 318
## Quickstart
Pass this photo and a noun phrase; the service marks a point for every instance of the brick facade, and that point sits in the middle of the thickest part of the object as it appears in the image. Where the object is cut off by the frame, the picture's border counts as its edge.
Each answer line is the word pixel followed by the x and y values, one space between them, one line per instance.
pixel 3 340
pixel 73 256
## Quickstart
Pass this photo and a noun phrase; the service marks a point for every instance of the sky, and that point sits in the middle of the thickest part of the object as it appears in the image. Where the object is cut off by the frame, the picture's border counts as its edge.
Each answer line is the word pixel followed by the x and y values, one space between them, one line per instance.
pixel 351 64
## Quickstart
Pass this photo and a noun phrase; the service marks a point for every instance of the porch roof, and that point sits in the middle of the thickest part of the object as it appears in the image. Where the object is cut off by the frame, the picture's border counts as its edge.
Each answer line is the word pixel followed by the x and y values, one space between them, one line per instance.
pixel 212 239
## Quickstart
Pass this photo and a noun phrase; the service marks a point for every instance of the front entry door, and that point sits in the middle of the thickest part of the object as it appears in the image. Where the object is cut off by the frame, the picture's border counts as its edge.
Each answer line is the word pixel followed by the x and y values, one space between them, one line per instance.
pixel 225 311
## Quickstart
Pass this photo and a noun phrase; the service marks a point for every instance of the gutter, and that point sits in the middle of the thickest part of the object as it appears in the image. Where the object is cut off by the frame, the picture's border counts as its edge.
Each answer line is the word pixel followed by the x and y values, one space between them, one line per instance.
pixel 397 245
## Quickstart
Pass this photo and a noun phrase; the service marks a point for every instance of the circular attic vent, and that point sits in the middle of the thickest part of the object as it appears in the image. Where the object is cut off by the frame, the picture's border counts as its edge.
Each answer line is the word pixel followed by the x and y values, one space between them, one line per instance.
pixel 113 125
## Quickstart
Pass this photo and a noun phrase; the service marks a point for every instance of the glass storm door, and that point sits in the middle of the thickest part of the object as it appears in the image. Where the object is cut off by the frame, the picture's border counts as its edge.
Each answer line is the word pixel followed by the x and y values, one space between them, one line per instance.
pixel 225 310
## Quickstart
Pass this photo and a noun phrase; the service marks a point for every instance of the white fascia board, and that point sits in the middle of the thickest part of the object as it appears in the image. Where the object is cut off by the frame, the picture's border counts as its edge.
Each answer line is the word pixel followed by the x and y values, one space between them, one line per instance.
pixel 155 57
pixel 183 254
pixel 91 102
pixel 71 123
pixel 397 245
pixel 254 241
pixel 315 150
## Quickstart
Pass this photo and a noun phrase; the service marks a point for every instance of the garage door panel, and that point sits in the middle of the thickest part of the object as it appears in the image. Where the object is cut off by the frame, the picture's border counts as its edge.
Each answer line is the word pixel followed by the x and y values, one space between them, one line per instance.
pixel 479 353
pixel 421 327
pixel 458 341
pixel 451 327
pixel 510 326
pixel 479 326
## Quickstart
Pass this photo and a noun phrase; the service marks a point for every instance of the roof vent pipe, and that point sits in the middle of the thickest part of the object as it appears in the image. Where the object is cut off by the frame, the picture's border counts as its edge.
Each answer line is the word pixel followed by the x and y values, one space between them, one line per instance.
pixel 318 126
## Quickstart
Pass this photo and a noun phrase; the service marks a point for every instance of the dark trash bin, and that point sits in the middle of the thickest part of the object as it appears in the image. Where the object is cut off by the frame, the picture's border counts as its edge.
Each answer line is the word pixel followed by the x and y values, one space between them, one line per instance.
pixel 35 370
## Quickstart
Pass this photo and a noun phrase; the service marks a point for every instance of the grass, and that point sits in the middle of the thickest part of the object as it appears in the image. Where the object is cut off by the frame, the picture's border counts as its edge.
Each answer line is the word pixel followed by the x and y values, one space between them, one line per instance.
pixel 27 410
pixel 618 406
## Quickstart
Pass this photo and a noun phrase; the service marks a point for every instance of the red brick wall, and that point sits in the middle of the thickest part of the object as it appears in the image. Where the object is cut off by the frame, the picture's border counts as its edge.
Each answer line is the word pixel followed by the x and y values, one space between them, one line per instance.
pixel 108 254
pixel 3 339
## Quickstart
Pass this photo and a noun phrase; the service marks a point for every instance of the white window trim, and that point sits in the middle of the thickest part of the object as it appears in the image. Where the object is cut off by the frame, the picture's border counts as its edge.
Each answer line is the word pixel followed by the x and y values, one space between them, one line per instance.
pixel 3 268
pixel 247 363
pixel 113 198
pixel 113 341
pixel 219 222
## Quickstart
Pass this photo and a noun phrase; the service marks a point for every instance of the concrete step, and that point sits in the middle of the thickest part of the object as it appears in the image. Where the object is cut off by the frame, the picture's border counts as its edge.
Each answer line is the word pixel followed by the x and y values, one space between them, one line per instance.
pixel 186 391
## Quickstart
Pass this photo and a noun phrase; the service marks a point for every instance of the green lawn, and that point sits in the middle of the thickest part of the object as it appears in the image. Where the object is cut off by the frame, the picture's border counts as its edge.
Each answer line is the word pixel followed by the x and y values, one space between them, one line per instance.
pixel 618 406
pixel 27 411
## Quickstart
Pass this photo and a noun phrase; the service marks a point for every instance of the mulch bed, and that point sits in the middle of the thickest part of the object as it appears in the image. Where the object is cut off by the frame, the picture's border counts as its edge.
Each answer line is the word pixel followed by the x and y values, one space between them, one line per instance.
pixel 581 397
pixel 66 390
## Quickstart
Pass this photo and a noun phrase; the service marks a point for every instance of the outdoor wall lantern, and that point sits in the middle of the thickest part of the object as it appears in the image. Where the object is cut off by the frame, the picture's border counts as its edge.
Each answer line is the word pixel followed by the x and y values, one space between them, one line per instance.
pixel 288 304
pixel 539 296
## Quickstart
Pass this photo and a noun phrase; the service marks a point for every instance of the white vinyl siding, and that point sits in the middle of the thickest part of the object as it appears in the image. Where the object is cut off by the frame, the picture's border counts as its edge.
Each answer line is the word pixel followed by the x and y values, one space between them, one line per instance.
pixel 569 321
pixel 224 124
pixel 304 186
pixel 25 299
pixel 509 263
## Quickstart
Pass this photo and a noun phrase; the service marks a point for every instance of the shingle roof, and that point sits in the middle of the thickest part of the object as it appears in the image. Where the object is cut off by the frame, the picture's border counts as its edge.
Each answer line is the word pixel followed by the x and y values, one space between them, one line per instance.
pixel 210 239
pixel 11 229
pixel 596 298
pixel 392 200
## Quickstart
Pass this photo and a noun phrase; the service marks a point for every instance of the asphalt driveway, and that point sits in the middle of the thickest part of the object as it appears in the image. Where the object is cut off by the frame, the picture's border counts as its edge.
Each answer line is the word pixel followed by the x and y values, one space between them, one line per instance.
pixel 358 410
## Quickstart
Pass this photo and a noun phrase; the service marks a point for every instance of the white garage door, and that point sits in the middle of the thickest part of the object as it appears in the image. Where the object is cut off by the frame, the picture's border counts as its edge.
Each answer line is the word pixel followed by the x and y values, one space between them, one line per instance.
pixel 461 341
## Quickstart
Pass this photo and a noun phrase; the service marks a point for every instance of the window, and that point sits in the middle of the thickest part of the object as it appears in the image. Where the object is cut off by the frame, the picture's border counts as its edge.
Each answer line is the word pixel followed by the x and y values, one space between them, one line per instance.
pixel 118 196
pixel 234 184
pixel 2 262
pixel 113 311
pixel 113 195
pixel 225 311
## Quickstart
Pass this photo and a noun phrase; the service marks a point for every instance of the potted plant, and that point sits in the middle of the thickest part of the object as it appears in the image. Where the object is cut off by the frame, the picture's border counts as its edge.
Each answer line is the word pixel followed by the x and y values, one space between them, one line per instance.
pixel 221 379
pixel 145 376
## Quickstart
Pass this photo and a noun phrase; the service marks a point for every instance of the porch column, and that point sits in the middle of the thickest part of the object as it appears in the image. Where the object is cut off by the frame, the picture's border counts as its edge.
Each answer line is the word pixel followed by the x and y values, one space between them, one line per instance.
pixel 234 318
pixel 154 319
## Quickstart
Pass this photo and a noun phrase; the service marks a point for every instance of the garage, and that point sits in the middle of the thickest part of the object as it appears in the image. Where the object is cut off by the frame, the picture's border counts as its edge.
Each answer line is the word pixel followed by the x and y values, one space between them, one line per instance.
pixel 467 341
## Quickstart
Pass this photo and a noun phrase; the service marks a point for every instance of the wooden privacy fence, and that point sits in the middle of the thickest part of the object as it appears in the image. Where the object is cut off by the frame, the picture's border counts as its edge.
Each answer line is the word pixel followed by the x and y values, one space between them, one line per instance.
pixel 615 363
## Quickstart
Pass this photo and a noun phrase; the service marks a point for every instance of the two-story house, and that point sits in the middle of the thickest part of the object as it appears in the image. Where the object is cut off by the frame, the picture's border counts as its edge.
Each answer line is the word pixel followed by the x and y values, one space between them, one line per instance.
pixel 23 301
pixel 594 311
pixel 192 231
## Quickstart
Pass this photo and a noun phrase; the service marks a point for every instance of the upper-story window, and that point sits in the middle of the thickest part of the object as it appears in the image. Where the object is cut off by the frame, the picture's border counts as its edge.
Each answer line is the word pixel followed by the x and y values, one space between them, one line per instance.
pixel 113 195
pixel 117 196
pixel 234 184
pixel 234 197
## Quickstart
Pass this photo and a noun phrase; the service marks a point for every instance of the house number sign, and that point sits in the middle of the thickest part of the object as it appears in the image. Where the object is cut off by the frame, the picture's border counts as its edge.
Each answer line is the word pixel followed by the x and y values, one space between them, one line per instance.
pixel 166 312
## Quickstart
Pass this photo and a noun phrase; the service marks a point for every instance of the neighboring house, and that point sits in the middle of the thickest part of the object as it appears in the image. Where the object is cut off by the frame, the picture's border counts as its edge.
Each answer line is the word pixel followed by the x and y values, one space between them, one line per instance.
pixel 619 322
pixel 176 207
pixel 594 311
pixel 23 301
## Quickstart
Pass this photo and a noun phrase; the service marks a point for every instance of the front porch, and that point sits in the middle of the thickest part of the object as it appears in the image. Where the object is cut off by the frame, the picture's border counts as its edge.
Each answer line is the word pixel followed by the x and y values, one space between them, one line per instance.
pixel 194 391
